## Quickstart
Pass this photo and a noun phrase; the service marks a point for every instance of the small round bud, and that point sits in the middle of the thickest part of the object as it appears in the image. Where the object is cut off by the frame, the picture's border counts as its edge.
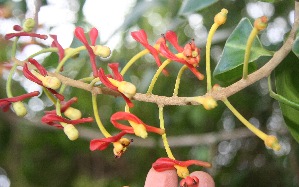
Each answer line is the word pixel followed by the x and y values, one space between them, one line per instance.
pixel 71 132
pixel 209 103
pixel 51 82
pixel 220 18
pixel 261 23
pixel 73 113
pixel 102 51
pixel 19 109
pixel 127 88
pixel 272 142
pixel 28 25
pixel 125 142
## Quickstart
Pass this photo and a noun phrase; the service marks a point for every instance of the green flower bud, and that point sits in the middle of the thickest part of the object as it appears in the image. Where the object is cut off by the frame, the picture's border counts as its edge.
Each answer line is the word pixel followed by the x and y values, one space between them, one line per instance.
pixel 19 109
pixel 28 25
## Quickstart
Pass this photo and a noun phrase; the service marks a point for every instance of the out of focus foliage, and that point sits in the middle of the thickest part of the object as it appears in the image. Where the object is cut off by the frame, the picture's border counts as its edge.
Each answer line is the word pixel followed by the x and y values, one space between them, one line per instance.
pixel 35 156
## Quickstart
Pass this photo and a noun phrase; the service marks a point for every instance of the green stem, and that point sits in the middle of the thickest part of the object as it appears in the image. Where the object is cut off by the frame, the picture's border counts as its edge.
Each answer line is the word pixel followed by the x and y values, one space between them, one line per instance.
pixel 9 80
pixel 133 60
pixel 164 138
pixel 251 127
pixel 69 55
pixel 51 49
pixel 151 87
pixel 250 40
pixel 178 80
pixel 280 98
pixel 97 117
pixel 208 55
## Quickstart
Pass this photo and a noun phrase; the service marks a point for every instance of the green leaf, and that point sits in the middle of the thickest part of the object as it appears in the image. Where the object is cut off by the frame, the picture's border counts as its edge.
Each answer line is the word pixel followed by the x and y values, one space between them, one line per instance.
pixel 296 45
pixel 286 82
pixel 190 6
pixel 230 65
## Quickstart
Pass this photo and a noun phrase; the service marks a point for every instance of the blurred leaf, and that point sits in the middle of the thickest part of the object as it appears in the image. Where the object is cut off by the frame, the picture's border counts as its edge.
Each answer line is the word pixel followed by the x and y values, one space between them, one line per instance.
pixel 296 45
pixel 271 1
pixel 286 81
pixel 230 66
pixel 191 6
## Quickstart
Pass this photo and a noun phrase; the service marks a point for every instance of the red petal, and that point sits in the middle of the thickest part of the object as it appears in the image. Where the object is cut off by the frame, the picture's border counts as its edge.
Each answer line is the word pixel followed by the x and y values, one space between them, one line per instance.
pixel 101 144
pixel 39 67
pixel 193 162
pixel 173 39
pixel 11 35
pixel 163 164
pixel 114 68
pixel 56 44
pixel 105 80
pixel 17 28
pixel 93 35
pixel 30 76
pixel 168 54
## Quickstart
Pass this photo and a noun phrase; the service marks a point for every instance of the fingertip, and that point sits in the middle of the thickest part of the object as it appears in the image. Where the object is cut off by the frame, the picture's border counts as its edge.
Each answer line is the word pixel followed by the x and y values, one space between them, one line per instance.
pixel 161 179
pixel 205 179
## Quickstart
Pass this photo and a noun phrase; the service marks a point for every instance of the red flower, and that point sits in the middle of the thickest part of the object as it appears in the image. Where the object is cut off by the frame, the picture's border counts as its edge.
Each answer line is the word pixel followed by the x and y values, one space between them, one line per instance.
pixel 189 181
pixel 56 44
pixel 141 37
pixel 23 33
pixel 168 54
pixel 116 76
pixel 6 102
pixel 93 34
pixel 54 120
pixel 29 75
pixel 120 144
pixel 64 106
pixel 173 39
pixel 137 127
pixel 163 164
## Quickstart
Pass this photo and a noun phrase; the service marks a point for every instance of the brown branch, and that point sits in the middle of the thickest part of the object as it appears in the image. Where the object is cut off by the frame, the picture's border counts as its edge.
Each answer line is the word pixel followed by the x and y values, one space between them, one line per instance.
pixel 264 71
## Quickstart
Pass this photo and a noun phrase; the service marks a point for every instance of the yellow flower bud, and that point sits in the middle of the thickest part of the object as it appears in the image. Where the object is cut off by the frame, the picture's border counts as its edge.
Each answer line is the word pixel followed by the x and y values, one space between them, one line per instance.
pixel 19 109
pixel 272 142
pixel 73 113
pixel 127 88
pixel 207 102
pixel 139 129
pixel 71 132
pixel 51 82
pixel 102 51
pixel 220 18
pixel 28 25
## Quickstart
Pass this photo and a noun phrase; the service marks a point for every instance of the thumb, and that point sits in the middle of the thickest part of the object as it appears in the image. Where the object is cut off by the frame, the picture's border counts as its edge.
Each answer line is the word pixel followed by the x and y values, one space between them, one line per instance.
pixel 205 180
pixel 166 178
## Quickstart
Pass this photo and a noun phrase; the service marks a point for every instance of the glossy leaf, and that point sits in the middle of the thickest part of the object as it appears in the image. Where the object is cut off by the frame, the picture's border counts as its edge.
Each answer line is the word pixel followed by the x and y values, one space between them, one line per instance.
pixel 191 6
pixel 230 66
pixel 286 82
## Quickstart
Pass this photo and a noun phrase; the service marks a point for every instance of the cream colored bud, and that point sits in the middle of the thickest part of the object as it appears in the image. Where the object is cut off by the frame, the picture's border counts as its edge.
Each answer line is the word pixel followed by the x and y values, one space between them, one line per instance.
pixel 127 88
pixel 102 51
pixel 140 131
pixel 28 25
pixel 19 109
pixel 51 82
pixel 209 103
pixel 73 113
pixel 71 132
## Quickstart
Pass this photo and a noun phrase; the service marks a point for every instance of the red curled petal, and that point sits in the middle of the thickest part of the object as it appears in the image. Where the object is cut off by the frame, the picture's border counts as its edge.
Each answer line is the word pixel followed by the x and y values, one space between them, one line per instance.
pixel 39 67
pixel 195 72
pixel 101 144
pixel 21 97
pixel 27 73
pixel 173 39
pixel 114 68
pixel 4 105
pixel 105 80
pixel 93 35
pixel 163 164
pixel 68 103
pixel 56 94
pixel 56 44
pixel 79 33
pixel 12 35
